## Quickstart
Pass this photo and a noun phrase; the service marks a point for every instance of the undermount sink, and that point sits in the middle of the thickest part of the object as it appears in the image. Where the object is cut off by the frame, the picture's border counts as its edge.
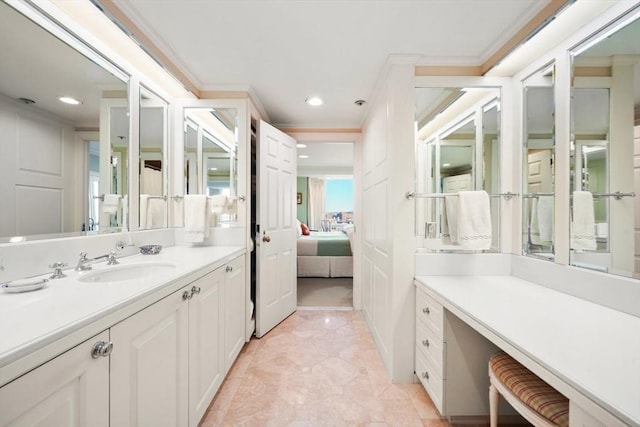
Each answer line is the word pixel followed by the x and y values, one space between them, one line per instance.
pixel 125 272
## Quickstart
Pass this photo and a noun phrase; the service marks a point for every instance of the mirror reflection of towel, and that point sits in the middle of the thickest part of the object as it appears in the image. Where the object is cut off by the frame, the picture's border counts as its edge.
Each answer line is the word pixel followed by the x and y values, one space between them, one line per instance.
pixel 144 201
pixel 541 226
pixel 450 220
pixel 156 213
pixel 583 226
pixel 110 204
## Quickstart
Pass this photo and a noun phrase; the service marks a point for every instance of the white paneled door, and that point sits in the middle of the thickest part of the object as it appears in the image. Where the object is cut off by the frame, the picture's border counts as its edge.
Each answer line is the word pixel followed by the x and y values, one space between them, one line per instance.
pixel 276 295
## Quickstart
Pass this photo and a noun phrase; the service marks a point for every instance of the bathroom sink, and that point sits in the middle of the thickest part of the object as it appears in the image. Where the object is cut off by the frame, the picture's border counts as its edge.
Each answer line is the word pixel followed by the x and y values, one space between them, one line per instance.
pixel 125 272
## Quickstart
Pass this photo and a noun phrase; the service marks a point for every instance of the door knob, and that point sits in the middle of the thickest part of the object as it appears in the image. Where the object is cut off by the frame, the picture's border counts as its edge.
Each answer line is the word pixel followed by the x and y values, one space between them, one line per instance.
pixel 265 237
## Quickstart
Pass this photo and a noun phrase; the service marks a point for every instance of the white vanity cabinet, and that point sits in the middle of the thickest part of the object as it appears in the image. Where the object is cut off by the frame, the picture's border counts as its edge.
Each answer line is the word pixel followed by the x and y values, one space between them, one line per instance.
pixel 451 360
pixel 206 334
pixel 186 341
pixel 149 365
pixel 234 310
pixel 70 390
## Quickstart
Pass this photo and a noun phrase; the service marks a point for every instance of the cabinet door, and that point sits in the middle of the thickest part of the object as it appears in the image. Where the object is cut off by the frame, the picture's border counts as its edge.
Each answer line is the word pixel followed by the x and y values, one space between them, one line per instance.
pixel 70 390
pixel 149 366
pixel 206 357
pixel 235 312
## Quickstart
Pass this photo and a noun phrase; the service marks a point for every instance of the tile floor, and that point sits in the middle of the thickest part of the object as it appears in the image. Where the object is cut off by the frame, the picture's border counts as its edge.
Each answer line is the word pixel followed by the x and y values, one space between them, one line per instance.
pixel 317 368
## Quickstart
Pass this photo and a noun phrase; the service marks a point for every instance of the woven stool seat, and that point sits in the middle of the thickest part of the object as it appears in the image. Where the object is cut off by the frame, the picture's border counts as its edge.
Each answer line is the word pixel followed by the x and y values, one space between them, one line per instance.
pixel 534 393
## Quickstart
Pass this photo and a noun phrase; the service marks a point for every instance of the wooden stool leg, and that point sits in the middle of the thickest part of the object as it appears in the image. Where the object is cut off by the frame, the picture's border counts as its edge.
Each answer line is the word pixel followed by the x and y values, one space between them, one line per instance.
pixel 494 398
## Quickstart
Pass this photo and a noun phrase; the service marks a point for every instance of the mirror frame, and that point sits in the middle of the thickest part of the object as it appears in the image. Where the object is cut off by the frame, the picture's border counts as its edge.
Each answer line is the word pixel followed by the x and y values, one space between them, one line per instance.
pixel 508 182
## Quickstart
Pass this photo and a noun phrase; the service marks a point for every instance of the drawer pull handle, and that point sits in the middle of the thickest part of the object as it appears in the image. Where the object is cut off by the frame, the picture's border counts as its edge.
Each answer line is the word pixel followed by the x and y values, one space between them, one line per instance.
pixel 425 375
pixel 426 343
pixel 426 310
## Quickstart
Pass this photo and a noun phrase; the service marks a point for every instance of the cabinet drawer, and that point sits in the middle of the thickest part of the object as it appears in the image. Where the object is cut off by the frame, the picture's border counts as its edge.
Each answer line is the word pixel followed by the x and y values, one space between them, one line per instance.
pixel 431 381
pixel 430 344
pixel 430 312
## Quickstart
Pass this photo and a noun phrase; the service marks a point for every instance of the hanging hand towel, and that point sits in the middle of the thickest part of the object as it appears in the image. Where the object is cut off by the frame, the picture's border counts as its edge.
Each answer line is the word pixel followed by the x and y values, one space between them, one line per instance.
pixel 450 220
pixel 474 220
pixel 217 204
pixel 156 213
pixel 144 203
pixel 542 221
pixel 110 204
pixel 195 218
pixel 583 226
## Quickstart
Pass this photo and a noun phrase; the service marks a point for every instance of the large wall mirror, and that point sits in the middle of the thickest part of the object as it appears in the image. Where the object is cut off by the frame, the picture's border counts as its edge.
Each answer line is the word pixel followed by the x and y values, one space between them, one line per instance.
pixel 538 164
pixel 457 149
pixel 211 159
pixel 64 129
pixel 153 164
pixel 605 158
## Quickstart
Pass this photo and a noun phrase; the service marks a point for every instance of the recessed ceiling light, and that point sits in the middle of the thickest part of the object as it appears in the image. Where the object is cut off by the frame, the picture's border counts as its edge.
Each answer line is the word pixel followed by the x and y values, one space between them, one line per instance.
pixel 446 165
pixel 69 100
pixel 314 101
pixel 301 145
pixel 213 169
pixel 303 156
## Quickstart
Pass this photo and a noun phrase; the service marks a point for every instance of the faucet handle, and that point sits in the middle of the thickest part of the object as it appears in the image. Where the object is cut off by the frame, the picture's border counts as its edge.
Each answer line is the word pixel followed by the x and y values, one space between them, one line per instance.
pixel 83 256
pixel 57 270
pixel 111 259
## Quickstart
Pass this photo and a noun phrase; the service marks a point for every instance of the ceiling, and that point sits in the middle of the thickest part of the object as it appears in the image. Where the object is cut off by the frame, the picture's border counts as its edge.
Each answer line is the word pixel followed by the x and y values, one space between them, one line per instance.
pixel 284 51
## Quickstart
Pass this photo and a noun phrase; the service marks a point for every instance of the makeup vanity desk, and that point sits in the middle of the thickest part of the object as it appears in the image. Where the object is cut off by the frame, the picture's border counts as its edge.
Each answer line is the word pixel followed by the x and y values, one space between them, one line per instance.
pixel 589 353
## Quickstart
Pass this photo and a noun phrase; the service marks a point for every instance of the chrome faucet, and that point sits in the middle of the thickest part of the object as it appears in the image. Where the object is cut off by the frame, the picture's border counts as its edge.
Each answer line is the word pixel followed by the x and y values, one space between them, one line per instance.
pixel 84 263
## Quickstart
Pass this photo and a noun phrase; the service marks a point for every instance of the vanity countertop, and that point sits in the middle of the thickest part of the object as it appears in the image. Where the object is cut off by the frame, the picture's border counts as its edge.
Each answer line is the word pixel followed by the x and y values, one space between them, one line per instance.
pixel 31 321
pixel 592 348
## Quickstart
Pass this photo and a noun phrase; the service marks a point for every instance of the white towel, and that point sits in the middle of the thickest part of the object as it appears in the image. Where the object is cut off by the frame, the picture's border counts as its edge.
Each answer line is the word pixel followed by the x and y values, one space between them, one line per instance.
pixel 583 231
pixel 125 212
pixel 450 220
pixel 541 225
pixel 195 218
pixel 156 213
pixel 110 204
pixel 217 204
pixel 474 220
pixel 144 202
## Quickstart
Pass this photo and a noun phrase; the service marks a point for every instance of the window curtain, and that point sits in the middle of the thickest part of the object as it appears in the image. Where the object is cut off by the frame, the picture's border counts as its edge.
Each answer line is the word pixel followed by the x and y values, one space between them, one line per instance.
pixel 316 203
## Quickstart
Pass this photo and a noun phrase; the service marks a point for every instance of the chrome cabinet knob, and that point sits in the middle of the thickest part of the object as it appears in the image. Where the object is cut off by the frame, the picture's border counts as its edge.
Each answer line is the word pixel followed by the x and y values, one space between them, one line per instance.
pixel 101 349
pixel 426 310
pixel 425 375
pixel 229 268
pixel 187 295
pixel 195 290
pixel 426 343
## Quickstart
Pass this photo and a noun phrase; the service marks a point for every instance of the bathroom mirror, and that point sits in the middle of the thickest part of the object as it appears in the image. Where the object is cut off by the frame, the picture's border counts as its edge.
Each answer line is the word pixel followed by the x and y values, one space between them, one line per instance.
pixel 58 160
pixel 457 149
pixel 210 158
pixel 153 164
pixel 538 164
pixel 605 157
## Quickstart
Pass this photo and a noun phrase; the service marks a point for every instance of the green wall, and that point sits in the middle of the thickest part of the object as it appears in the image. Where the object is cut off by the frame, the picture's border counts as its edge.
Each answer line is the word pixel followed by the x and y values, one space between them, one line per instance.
pixel 302 209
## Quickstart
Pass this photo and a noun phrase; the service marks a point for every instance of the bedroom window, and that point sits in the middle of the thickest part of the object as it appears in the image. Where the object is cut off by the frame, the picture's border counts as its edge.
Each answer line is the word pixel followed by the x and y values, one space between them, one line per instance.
pixel 338 203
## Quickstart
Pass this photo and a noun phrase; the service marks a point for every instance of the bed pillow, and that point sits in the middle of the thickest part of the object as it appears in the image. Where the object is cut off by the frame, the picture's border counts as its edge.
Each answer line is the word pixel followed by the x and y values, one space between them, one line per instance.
pixel 305 229
pixel 299 228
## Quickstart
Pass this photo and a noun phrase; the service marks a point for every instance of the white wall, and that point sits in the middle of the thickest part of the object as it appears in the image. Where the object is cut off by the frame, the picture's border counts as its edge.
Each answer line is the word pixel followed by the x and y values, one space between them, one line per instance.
pixel 388 297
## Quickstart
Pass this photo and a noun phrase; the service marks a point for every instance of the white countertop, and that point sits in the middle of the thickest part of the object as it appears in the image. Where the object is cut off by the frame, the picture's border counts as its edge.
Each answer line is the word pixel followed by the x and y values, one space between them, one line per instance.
pixel 592 348
pixel 30 321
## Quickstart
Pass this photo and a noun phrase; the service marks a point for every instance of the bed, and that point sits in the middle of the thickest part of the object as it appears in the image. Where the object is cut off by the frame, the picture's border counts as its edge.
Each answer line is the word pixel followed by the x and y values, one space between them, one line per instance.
pixel 325 254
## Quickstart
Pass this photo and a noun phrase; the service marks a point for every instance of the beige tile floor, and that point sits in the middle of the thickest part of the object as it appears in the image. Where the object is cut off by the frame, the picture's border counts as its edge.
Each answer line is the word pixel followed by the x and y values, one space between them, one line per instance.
pixel 317 368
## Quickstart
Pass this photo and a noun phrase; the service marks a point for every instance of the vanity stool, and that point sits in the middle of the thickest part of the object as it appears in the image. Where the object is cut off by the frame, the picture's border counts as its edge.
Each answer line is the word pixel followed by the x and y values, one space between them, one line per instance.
pixel 535 400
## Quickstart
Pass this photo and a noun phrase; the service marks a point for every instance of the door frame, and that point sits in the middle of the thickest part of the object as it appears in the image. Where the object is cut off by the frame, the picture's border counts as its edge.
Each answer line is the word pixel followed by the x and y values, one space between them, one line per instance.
pixel 353 136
